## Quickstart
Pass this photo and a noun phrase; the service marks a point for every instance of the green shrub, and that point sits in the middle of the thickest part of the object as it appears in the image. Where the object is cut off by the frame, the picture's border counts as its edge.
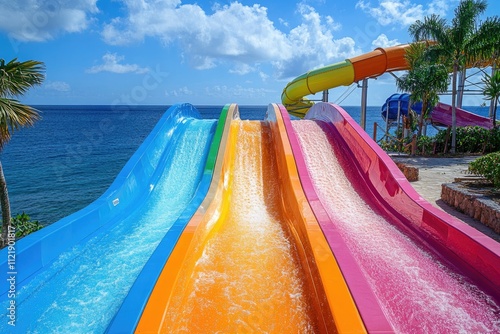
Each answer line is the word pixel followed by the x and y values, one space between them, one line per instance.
pixel 487 166
pixel 24 225
pixel 425 145
pixel 470 139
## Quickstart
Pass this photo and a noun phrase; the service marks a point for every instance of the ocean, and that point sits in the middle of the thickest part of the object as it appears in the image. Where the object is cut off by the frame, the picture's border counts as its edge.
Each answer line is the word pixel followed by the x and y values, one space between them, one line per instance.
pixel 72 155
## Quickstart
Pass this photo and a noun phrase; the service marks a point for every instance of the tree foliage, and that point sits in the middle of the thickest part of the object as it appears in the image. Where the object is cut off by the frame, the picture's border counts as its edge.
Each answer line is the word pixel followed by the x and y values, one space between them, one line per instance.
pixel 491 91
pixel 465 42
pixel 16 78
pixel 487 166
pixel 424 80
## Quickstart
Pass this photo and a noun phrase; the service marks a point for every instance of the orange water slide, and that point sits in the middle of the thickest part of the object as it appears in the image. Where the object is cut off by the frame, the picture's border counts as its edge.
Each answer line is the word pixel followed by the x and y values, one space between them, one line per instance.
pixel 253 258
pixel 344 73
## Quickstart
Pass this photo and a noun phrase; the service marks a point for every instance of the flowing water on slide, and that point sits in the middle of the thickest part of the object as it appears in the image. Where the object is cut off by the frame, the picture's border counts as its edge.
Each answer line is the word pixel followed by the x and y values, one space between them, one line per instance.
pixel 83 289
pixel 248 278
pixel 417 292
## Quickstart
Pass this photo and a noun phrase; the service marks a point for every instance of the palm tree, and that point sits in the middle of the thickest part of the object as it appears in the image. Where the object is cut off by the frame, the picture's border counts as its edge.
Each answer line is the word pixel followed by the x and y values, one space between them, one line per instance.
pixel 424 80
pixel 464 43
pixel 15 80
pixel 491 92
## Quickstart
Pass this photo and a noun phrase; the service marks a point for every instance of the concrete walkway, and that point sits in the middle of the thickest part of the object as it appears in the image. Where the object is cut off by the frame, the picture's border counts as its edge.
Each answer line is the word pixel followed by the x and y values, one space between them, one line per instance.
pixel 433 172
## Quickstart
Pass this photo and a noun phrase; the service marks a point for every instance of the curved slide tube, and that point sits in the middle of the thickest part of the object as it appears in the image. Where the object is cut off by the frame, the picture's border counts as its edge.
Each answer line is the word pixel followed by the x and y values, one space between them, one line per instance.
pixel 457 245
pixel 180 296
pixel 344 73
pixel 441 115
pixel 134 185
pixel 127 317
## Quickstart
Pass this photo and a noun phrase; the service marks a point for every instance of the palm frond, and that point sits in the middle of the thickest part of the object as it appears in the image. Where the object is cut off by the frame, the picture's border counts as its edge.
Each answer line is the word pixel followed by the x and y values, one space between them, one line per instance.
pixel 13 116
pixel 484 45
pixel 431 28
pixel 491 89
pixel 17 77
pixel 464 22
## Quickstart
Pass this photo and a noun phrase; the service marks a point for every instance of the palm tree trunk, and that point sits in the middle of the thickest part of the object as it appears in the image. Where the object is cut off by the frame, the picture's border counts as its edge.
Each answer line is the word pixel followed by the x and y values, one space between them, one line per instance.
pixel 495 113
pixel 421 118
pixel 5 205
pixel 454 109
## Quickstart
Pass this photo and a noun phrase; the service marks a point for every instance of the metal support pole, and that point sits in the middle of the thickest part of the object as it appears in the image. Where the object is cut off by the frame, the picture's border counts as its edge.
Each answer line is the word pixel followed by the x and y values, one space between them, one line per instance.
pixel 461 88
pixel 364 95
pixel 387 121
pixel 325 96
pixel 492 103
pixel 399 115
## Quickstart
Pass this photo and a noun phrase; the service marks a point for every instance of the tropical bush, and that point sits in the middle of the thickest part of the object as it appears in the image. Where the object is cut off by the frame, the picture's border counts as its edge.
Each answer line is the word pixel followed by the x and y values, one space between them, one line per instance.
pixel 487 166
pixel 24 225
pixel 425 145
pixel 470 139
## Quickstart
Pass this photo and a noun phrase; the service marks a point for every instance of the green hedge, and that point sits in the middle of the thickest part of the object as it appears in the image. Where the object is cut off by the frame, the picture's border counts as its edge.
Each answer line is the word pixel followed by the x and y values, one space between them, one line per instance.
pixel 470 139
pixel 487 166
pixel 24 225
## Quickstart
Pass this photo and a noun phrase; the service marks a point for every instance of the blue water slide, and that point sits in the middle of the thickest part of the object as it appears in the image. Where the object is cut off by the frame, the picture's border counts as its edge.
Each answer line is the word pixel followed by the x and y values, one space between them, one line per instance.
pixel 127 317
pixel 38 255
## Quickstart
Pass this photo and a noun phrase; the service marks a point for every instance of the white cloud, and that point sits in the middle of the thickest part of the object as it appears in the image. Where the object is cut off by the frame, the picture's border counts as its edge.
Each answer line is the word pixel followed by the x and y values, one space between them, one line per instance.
pixel 233 31
pixel 112 64
pixel 402 12
pixel 236 34
pixel 314 45
pixel 41 20
pixel 283 22
pixel 382 42
pixel 242 68
pixel 440 7
pixel 183 91
pixel 263 76
pixel 59 86
pixel 223 91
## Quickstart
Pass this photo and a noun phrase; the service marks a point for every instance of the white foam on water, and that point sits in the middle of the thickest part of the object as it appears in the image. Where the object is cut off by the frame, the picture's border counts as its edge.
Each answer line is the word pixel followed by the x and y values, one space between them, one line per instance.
pixel 418 293
pixel 247 271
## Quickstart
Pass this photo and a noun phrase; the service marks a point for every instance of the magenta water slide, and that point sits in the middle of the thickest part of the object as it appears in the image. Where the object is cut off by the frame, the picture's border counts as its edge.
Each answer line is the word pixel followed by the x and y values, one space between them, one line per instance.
pixel 410 267
pixel 441 115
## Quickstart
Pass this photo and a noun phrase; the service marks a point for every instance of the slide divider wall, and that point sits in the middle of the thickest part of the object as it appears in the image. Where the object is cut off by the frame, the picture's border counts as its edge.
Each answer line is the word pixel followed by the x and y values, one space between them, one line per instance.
pixel 151 320
pixel 127 317
pixel 325 278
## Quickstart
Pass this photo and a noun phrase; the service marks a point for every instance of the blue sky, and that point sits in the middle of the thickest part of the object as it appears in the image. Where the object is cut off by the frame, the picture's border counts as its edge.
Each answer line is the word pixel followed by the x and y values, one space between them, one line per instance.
pixel 202 52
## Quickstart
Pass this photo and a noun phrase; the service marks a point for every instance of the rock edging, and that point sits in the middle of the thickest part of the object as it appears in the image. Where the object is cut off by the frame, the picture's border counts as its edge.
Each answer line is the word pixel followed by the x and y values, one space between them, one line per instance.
pixel 475 205
pixel 410 172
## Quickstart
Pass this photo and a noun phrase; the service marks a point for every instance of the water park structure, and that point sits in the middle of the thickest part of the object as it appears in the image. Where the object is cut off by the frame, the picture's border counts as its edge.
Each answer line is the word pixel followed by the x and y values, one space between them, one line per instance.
pixel 276 225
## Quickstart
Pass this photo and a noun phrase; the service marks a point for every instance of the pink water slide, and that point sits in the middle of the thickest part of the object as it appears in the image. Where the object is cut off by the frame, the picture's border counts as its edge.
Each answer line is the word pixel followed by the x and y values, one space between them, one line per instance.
pixel 441 115
pixel 410 267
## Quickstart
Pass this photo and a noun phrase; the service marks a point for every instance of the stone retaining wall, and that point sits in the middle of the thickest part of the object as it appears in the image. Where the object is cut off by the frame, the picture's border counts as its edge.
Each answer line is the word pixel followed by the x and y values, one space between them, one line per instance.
pixel 475 205
pixel 410 172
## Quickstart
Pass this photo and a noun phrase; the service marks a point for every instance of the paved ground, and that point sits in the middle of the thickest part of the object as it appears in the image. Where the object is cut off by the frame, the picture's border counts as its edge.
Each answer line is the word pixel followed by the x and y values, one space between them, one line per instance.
pixel 435 171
